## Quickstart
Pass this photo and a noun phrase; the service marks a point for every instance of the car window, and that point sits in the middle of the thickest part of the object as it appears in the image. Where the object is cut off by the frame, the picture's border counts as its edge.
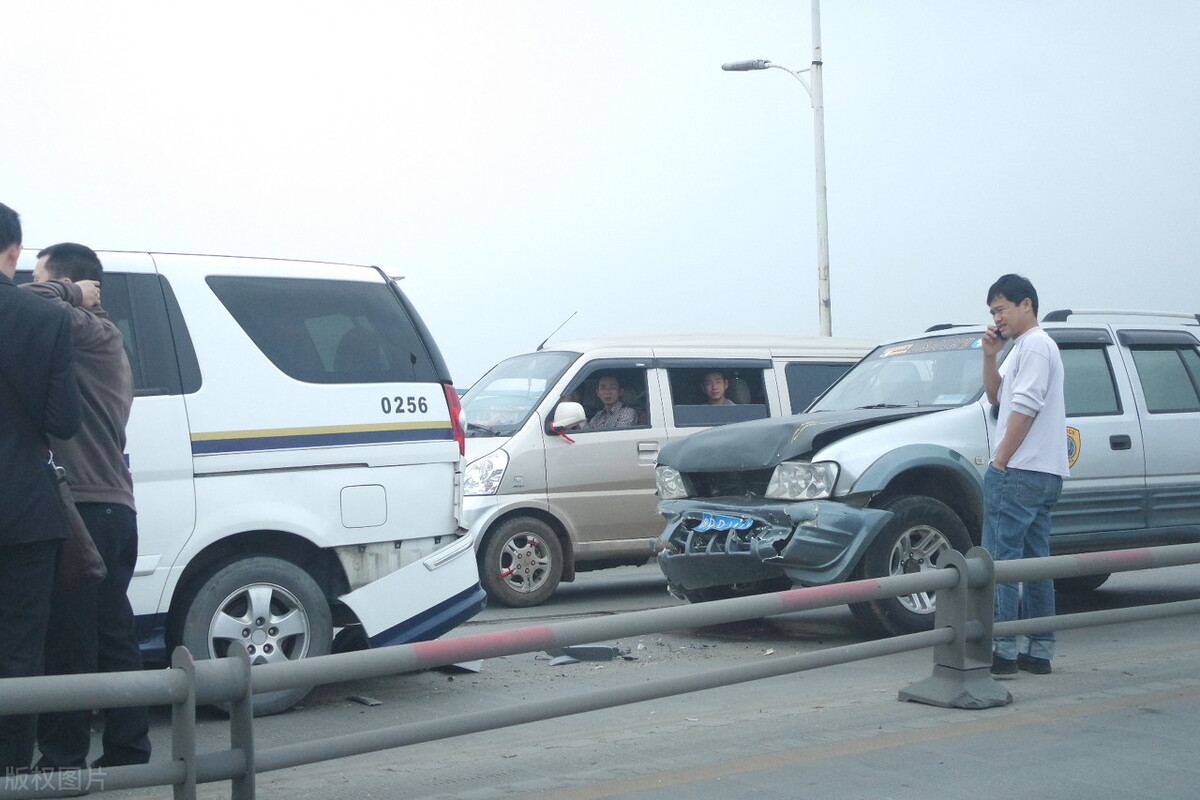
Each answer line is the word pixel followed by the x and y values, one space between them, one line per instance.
pixel 806 380
pixel 1089 386
pixel 157 343
pixel 693 389
pixel 325 331
pixel 634 409
pixel 1170 378
pixel 933 371
pixel 500 402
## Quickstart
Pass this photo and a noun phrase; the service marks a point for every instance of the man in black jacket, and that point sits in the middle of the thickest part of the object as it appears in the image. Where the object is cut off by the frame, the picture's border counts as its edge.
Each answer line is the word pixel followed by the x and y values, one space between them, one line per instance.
pixel 38 398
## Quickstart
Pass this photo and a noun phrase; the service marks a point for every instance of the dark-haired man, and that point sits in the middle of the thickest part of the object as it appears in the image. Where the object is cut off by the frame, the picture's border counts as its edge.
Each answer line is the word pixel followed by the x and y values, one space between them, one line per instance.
pixel 615 414
pixel 715 385
pixel 1029 462
pixel 38 398
pixel 92 628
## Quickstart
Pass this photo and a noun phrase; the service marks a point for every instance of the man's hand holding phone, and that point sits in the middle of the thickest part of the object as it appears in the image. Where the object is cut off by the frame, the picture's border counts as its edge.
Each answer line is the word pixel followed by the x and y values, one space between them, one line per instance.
pixel 993 341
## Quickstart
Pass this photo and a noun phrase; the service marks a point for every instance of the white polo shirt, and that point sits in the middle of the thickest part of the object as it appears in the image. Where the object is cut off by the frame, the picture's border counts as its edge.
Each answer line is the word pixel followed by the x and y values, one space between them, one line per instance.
pixel 1032 384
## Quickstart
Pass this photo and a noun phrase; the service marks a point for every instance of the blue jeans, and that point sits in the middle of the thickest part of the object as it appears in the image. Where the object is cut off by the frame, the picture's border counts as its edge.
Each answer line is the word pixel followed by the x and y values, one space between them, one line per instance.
pixel 1016 524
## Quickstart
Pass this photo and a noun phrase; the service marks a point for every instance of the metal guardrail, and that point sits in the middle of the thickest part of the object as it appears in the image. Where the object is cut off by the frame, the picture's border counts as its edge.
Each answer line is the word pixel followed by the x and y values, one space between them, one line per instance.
pixel 961 677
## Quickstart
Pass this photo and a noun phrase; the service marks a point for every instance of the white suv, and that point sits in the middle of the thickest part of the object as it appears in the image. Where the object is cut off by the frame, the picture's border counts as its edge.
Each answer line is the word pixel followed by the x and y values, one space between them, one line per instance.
pixel 295 447
pixel 884 473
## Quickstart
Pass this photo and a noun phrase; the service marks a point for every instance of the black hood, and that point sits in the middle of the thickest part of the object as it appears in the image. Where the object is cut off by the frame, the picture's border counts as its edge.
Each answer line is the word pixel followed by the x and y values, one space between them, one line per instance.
pixel 765 443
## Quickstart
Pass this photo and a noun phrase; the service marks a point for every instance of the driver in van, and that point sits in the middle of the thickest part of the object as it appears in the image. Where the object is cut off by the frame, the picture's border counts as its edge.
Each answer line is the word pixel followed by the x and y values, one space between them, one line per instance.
pixel 715 385
pixel 615 414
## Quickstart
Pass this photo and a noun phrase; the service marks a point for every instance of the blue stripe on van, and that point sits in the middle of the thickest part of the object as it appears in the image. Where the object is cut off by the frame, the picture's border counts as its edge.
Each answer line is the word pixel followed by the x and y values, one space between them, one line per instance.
pixel 287 438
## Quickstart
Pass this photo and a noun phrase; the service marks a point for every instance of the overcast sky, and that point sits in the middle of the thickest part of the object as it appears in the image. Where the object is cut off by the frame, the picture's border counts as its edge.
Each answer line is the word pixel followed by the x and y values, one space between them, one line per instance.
pixel 520 160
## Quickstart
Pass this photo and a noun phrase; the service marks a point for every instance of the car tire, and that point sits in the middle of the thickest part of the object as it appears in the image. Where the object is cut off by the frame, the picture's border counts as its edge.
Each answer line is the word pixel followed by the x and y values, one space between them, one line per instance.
pixel 272 605
pixel 521 562
pixel 920 531
pixel 710 593
pixel 1081 583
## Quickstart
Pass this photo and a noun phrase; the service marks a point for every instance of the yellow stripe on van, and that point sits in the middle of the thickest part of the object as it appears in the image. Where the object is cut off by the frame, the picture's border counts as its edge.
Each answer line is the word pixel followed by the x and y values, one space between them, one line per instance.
pixel 212 442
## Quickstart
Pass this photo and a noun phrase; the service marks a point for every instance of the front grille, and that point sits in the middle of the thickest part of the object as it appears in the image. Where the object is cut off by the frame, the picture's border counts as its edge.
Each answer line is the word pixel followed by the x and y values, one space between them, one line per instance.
pixel 712 542
pixel 752 483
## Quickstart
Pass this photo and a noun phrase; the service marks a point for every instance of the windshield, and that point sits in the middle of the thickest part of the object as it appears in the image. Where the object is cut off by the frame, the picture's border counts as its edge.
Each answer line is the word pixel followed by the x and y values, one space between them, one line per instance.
pixel 935 371
pixel 500 402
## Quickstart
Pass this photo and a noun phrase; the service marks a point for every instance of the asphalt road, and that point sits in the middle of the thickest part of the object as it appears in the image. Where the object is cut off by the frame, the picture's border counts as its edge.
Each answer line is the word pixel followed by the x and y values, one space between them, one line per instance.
pixel 838 729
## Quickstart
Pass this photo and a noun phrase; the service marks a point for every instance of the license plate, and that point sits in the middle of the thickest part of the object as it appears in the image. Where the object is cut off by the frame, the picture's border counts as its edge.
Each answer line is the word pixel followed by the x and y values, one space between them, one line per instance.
pixel 722 522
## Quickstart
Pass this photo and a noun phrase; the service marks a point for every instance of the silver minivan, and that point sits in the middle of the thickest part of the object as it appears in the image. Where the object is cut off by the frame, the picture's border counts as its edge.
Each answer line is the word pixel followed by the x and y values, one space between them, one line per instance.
pixel 562 442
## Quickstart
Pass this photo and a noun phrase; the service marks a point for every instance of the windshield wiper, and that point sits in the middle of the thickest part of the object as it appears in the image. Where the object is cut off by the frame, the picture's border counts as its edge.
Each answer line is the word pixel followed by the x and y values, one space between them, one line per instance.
pixel 890 405
pixel 474 426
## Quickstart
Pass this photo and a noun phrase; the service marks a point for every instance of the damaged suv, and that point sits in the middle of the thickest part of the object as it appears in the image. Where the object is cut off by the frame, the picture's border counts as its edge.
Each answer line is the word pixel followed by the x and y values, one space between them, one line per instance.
pixel 884 473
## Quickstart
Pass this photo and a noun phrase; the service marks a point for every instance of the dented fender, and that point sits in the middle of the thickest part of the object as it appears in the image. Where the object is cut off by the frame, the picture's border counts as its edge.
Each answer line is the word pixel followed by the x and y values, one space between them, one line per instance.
pixel 828 540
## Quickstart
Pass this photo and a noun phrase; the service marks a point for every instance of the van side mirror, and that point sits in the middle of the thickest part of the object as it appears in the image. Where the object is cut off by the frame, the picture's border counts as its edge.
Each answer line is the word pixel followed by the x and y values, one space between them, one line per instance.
pixel 567 414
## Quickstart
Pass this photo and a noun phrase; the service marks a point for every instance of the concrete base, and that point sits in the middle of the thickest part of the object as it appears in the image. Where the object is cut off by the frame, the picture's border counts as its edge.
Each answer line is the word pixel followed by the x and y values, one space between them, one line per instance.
pixel 954 688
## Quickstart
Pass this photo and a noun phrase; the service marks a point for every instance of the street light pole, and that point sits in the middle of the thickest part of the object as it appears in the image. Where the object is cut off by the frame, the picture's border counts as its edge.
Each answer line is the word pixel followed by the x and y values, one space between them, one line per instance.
pixel 817 96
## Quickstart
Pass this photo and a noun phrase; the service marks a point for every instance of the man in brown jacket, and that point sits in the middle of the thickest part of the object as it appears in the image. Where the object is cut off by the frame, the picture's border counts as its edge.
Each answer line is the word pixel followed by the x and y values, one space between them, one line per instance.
pixel 92 629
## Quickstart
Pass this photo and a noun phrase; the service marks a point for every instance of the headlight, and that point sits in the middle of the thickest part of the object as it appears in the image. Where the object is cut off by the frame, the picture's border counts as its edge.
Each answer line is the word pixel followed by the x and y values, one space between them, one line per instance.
pixel 669 483
pixel 800 480
pixel 483 475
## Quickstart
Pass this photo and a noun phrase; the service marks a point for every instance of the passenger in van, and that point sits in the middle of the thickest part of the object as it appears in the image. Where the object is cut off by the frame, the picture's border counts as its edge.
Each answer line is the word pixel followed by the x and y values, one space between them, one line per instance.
pixel 92 628
pixel 615 414
pixel 715 385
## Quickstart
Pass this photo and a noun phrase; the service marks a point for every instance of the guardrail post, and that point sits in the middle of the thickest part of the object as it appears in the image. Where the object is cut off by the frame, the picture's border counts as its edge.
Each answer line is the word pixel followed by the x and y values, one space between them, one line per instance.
pixel 241 728
pixel 183 726
pixel 962 676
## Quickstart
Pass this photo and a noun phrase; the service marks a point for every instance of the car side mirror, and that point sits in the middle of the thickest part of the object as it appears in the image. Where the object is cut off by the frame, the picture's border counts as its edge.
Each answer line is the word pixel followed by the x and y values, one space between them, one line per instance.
pixel 567 414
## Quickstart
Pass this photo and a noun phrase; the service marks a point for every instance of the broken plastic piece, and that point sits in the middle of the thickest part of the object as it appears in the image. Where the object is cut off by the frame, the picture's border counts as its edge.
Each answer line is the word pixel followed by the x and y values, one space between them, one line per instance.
pixel 592 652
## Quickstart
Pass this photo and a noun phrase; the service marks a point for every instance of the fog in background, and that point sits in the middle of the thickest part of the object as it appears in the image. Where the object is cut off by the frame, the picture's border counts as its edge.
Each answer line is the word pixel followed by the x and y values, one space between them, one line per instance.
pixel 521 160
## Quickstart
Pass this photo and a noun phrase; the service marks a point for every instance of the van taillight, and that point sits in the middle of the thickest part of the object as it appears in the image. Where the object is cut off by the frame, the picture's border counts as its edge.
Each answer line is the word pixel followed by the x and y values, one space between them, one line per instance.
pixel 456 422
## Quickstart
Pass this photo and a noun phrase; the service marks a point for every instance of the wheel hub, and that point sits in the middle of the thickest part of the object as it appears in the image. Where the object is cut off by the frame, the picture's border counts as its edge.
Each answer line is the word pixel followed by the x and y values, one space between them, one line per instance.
pixel 912 562
pixel 524 564
pixel 267 619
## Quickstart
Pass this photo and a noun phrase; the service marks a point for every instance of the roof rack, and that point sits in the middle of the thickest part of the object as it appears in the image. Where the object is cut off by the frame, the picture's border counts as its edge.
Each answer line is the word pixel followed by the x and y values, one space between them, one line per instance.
pixel 943 326
pixel 1062 314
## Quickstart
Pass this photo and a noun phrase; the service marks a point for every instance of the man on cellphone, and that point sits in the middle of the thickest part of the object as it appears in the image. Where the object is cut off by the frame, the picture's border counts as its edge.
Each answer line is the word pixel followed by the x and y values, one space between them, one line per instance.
pixel 92 628
pixel 1028 463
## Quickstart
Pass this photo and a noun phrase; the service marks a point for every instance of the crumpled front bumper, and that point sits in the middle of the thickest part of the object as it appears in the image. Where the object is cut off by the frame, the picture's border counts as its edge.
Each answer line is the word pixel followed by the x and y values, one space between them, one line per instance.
pixel 813 542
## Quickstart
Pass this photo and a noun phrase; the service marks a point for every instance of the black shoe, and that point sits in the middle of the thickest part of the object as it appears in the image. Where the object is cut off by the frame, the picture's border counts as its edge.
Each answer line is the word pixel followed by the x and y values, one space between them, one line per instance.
pixel 1033 664
pixel 1003 666
pixel 104 762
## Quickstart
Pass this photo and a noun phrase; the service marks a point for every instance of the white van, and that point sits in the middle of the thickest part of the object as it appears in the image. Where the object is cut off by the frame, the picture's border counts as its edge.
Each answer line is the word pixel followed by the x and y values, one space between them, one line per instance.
pixel 545 495
pixel 295 444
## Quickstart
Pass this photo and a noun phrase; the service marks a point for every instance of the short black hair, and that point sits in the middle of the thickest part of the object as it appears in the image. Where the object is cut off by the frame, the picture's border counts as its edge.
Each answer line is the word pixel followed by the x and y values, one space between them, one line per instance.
pixel 75 261
pixel 1015 288
pixel 10 227
pixel 613 375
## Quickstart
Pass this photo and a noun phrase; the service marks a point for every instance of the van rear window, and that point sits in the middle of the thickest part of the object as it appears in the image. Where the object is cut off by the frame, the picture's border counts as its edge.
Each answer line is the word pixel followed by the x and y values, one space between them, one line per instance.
pixel 326 331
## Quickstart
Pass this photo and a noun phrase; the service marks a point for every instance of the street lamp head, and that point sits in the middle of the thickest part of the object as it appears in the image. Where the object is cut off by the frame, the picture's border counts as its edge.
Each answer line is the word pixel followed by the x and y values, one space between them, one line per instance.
pixel 746 66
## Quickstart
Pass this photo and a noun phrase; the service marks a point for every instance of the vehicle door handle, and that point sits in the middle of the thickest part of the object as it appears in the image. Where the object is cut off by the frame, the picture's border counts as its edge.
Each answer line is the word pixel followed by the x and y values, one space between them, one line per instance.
pixel 647 447
pixel 1120 442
